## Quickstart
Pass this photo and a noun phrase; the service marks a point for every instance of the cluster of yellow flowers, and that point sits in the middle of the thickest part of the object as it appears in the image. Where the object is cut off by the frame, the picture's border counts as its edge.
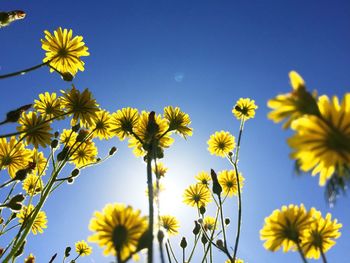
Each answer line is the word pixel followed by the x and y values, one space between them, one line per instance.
pixel 321 143
pixel 295 228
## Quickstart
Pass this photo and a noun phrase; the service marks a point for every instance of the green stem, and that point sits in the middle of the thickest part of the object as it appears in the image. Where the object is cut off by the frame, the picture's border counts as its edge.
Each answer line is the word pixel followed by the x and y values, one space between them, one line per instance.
pixel 172 251
pixel 324 259
pixel 301 253
pixel 34 215
pixel 167 252
pixel 150 209
pixel 194 247
pixel 24 71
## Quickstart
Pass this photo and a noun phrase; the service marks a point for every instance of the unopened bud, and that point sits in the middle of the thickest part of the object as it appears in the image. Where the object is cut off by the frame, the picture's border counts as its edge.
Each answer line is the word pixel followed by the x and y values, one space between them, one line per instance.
pixel 82 135
pixel 202 210
pixel 217 189
pixel 227 221
pixel 183 243
pixel 204 239
pixel 15 204
pixel 160 236
pixel 112 150
pixel 220 243
pixel 70 180
pixel 75 172
pixel 56 134
pixel 63 154
pixel 54 143
pixel 76 127
pixel 21 175
pixel 196 228
pixel 67 252
pixel 66 76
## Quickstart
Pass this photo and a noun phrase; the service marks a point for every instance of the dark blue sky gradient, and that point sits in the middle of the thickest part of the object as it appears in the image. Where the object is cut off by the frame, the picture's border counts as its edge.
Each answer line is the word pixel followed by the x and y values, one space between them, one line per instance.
pixel 220 51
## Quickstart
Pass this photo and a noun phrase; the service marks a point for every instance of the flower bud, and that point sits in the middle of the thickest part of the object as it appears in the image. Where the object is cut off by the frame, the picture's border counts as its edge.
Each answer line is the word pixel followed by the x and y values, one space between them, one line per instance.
pixel 75 172
pixel 196 228
pixel 112 150
pixel 63 154
pixel 66 76
pixel 160 236
pixel 183 243
pixel 220 243
pixel 54 143
pixel 217 189
pixel 13 116
pixel 15 204
pixel 67 252
pixel 76 127
pixel 21 174
pixel 56 134
pixel 202 210
pixel 204 239
pixel 227 221
pixel 70 180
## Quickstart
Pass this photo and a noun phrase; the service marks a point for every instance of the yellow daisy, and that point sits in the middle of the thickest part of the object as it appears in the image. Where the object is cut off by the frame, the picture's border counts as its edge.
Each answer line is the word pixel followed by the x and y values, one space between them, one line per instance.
pixel 209 223
pixel 244 109
pixel 178 121
pixel 203 178
pixel 118 229
pixel 323 144
pixel 221 143
pixel 101 125
pixel 320 236
pixel 82 248
pixel 63 51
pixel 159 170
pixel 81 105
pixel 170 224
pixel 13 155
pixel 32 184
pixel 68 137
pixel 85 154
pixel 285 227
pixel 38 162
pixel 49 105
pixel 197 195
pixel 123 122
pixel 36 129
pixel 39 223
pixel 228 181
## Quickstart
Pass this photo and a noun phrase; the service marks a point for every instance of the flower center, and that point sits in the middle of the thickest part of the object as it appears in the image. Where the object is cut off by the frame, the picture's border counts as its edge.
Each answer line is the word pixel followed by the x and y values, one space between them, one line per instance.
pixel 62 53
pixel 119 237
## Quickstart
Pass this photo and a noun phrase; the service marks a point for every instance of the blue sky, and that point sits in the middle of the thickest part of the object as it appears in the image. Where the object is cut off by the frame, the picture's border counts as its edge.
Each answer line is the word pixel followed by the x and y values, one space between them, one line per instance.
pixel 201 56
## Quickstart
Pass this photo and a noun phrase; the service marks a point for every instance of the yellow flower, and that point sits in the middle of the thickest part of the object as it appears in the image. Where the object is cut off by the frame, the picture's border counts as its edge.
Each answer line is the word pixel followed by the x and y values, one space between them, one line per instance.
pixel 82 105
pixel 221 143
pixel 170 224
pixel 197 195
pixel 146 136
pixel 82 248
pixel 118 228
pixel 68 137
pixel 63 51
pixel 320 235
pixel 39 222
pixel 244 109
pixel 203 178
pixel 228 182
pixel 178 121
pixel 85 154
pixel 13 155
pixel 323 144
pixel 209 223
pixel 30 259
pixel 49 105
pixel 159 170
pixel 123 122
pixel 285 227
pixel 101 125
pixel 36 129
pixel 293 105
pixel 38 162
pixel 32 184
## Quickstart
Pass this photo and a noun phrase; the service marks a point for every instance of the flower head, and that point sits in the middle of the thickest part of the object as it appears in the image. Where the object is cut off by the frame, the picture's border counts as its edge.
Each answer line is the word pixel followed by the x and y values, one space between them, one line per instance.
pixel 68 137
pixel 159 170
pixel 82 248
pixel 32 184
pixel 49 105
pixel 13 155
pixel 209 223
pixel 38 162
pixel 35 129
pixel 285 227
pixel 170 224
pixel 84 154
pixel 81 104
pixel 63 51
pixel 123 122
pixel 203 178
pixel 178 121
pixel 118 228
pixel 101 125
pixel 221 143
pixel 228 181
pixel 30 259
pixel 320 236
pixel 244 109
pixel 197 195
pixel 323 144
pixel 293 105
pixel 39 223
pixel 147 135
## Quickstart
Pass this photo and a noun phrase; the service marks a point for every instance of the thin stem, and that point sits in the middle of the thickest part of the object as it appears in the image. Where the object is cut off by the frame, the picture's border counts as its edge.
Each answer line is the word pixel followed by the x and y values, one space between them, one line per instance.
pixel 239 220
pixel 194 247
pixel 183 255
pixel 12 227
pixel 301 252
pixel 167 252
pixel 150 209
pixel 172 252
pixel 324 259
pixel 24 71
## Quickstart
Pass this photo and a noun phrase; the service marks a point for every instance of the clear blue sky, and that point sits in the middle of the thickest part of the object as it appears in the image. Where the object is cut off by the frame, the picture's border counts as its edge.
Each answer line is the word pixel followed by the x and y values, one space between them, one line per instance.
pixel 201 56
